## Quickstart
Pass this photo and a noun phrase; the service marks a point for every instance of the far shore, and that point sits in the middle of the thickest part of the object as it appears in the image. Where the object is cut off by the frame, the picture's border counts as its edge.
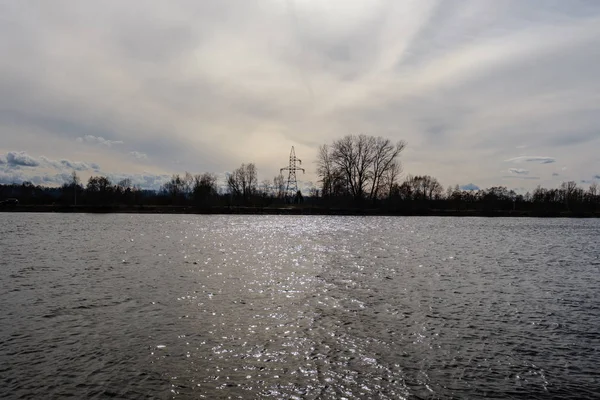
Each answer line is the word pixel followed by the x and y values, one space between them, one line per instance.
pixel 291 210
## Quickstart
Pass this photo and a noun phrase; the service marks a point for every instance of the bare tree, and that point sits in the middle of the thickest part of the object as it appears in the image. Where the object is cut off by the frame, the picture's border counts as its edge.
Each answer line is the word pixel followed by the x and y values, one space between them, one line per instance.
pixel 204 187
pixel 353 155
pixel 424 187
pixel 567 190
pixel 390 177
pixel 175 188
pixel 362 166
pixel 383 161
pixel 188 184
pixel 265 188
pixel 242 182
pixel 279 186
pixel 325 170
pixel 75 182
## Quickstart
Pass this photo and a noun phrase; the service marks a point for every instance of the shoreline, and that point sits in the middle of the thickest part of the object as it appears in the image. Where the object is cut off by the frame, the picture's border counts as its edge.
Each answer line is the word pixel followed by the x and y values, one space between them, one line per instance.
pixel 293 210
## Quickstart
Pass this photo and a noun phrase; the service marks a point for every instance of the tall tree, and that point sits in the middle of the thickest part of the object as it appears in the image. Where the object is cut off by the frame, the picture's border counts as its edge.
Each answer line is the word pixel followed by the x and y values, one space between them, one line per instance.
pixel 242 181
pixel 366 166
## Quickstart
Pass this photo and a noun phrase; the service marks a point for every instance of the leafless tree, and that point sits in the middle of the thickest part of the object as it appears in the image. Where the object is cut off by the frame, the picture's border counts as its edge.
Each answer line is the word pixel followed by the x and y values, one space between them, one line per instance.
pixel 424 187
pixel 204 187
pixel 383 164
pixel 242 182
pixel 279 186
pixel 265 188
pixel 390 177
pixel 567 192
pixel 363 166
pixel 188 184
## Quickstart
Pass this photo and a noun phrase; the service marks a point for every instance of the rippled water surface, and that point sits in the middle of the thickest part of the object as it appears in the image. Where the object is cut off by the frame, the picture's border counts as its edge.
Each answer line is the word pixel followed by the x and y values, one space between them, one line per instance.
pixel 290 307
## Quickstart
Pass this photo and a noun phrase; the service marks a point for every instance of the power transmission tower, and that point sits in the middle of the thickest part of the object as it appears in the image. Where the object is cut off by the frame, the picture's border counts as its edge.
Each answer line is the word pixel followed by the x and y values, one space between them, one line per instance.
pixel 292 184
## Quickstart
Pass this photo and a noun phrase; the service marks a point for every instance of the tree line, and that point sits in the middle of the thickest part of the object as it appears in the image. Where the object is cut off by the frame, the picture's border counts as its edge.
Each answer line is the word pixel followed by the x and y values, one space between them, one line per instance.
pixel 355 172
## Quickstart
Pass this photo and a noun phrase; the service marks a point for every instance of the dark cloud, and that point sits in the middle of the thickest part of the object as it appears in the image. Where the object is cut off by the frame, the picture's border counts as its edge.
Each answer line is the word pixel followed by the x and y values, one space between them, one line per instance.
pixel 20 159
pixel 14 160
pixel 555 174
pixel 518 171
pixel 469 186
pixel 597 176
pixel 70 165
pixel 534 159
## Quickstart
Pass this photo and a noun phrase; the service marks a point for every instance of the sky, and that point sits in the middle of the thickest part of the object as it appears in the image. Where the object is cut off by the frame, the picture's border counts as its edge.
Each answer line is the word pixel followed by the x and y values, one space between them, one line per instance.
pixel 484 92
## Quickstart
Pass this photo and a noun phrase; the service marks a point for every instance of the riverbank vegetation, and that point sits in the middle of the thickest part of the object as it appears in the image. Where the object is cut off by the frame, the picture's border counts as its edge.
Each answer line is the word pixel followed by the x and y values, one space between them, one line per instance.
pixel 357 174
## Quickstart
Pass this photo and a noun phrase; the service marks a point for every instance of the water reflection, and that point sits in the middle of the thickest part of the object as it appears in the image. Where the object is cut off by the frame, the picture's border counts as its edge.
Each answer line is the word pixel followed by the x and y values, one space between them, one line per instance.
pixel 300 307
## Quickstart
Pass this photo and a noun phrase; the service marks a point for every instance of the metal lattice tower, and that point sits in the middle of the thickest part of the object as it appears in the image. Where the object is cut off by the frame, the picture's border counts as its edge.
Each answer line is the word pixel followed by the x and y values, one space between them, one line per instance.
pixel 292 184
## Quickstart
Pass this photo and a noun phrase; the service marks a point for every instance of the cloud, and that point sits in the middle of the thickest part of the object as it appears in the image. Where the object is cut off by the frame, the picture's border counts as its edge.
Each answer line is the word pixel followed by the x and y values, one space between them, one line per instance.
pixel 533 178
pixel 20 159
pixel 146 180
pixel 470 187
pixel 209 85
pixel 18 177
pixel 597 176
pixel 518 171
pixel 99 140
pixel 70 165
pixel 533 159
pixel 555 174
pixel 139 156
pixel 13 168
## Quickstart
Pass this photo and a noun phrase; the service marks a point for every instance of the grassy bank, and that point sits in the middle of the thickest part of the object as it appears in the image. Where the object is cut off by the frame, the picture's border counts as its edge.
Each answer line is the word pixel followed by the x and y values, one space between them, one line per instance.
pixel 291 210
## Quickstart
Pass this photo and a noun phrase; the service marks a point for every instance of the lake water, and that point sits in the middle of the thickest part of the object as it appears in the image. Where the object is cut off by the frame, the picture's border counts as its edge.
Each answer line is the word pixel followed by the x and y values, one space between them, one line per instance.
pixel 298 307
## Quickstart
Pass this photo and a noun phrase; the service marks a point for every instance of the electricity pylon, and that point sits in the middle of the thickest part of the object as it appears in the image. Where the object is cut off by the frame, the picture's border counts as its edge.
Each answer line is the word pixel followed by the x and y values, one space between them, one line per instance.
pixel 292 184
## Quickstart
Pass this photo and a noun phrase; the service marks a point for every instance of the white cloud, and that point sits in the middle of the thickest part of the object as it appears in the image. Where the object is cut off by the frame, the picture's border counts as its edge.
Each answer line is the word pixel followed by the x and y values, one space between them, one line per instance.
pixel 98 140
pixel 138 156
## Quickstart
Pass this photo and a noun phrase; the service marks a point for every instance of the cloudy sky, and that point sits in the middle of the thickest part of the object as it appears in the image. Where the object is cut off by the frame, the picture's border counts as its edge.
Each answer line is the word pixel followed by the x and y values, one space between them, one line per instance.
pixel 494 92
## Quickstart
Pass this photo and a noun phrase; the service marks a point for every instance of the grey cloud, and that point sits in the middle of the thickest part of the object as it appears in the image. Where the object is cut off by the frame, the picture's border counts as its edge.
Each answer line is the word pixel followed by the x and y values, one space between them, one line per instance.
pixel 36 179
pixel 533 159
pixel 597 176
pixel 20 159
pixel 207 84
pixel 139 156
pixel 98 140
pixel 146 180
pixel 71 165
pixel 518 171
pixel 555 174
pixel 521 177
pixel 8 178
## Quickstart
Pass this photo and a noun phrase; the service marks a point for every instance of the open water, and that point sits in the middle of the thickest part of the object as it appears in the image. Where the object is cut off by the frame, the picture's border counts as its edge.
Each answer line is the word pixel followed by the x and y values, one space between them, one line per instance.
pixel 298 307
